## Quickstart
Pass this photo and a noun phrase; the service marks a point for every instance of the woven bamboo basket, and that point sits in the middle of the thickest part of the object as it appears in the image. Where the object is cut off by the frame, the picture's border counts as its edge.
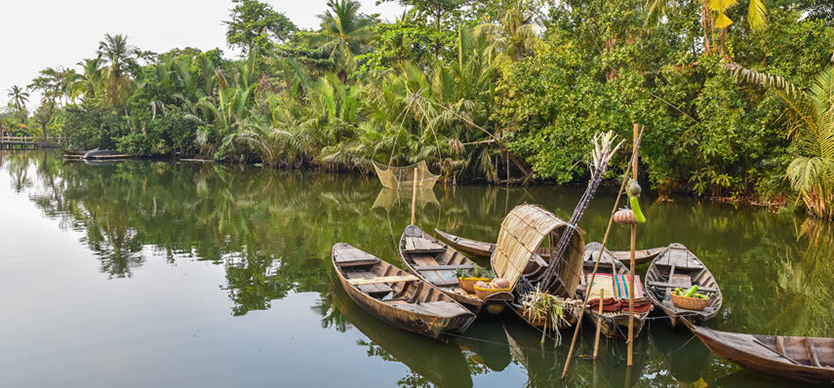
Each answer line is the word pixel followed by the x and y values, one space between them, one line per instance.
pixel 483 293
pixel 695 304
pixel 468 284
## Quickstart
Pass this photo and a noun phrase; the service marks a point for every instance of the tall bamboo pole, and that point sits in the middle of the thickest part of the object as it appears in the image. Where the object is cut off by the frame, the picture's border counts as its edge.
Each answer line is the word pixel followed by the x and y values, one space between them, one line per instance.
pixel 631 271
pixel 596 265
pixel 414 196
pixel 599 322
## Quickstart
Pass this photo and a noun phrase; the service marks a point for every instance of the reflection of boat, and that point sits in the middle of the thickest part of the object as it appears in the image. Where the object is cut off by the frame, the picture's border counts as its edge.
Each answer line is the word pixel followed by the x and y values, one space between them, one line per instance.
pixel 745 379
pixel 436 262
pixel 488 342
pixel 686 359
pixel 388 199
pixel 678 267
pixel 398 298
pixel 484 249
pixel 614 323
pixel 806 359
pixel 446 367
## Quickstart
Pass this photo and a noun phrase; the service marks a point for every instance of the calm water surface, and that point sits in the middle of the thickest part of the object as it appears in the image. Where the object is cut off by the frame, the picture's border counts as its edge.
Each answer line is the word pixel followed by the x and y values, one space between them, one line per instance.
pixel 140 273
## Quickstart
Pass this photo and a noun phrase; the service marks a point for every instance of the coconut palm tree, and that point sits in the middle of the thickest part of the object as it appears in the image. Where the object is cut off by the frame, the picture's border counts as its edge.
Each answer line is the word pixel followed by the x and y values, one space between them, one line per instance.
pixel 120 57
pixel 89 81
pixel 515 34
pixel 713 17
pixel 344 33
pixel 19 98
pixel 811 173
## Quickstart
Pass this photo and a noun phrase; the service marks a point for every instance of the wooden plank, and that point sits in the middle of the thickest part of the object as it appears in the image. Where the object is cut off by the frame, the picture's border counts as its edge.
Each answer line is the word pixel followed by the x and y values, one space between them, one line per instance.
pixel 812 352
pixel 667 285
pixel 356 263
pixel 424 260
pixel 442 267
pixel 384 279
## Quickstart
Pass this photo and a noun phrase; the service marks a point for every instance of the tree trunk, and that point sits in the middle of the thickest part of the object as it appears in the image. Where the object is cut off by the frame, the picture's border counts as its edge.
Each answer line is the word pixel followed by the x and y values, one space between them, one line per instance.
pixel 706 25
pixel 43 125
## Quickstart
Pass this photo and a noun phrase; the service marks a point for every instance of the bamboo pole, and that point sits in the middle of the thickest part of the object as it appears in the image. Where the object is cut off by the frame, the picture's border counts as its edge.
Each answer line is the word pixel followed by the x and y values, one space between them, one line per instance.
pixel 599 322
pixel 414 196
pixel 631 270
pixel 596 265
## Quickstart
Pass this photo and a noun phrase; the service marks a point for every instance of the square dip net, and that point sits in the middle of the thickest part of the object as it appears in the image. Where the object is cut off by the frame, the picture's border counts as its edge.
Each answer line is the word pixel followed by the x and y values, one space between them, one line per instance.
pixel 403 177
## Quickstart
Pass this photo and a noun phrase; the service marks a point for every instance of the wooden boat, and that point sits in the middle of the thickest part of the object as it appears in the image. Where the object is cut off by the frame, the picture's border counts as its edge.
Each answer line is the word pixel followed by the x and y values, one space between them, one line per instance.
pixel 641 256
pixel 436 262
pixel 484 249
pixel 678 267
pixel 805 359
pixel 402 300
pixel 469 247
pixel 614 323
pixel 447 367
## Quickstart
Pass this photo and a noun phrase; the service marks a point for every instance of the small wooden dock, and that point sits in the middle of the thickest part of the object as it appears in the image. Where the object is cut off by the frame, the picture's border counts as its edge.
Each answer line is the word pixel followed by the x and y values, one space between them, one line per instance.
pixel 25 143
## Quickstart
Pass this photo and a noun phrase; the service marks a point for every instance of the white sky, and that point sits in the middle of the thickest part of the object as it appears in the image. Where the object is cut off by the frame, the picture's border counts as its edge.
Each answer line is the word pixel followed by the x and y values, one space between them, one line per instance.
pixel 49 33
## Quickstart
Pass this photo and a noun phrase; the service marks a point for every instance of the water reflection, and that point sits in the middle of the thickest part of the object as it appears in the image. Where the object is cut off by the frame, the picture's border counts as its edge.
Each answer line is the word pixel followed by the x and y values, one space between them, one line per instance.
pixel 271 234
pixel 434 362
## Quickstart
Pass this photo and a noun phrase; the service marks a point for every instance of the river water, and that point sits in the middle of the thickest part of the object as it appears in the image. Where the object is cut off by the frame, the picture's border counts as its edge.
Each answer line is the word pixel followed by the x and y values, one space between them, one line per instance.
pixel 143 273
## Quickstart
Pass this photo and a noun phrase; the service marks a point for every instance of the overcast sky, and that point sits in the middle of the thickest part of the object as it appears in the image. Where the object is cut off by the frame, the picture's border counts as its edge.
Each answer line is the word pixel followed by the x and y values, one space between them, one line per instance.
pixel 51 33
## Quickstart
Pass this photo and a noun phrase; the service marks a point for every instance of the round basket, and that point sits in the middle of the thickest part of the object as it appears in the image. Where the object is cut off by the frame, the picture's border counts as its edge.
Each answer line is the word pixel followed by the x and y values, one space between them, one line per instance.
pixel 483 293
pixel 468 284
pixel 695 304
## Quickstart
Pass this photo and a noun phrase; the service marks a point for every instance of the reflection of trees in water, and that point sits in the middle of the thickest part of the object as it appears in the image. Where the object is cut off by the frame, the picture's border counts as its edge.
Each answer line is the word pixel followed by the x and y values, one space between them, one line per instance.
pixel 808 277
pixel 273 232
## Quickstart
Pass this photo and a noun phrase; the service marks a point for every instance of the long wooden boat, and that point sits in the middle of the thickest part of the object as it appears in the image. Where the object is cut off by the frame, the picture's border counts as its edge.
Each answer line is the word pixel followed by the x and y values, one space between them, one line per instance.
pixel 614 323
pixel 805 359
pixel 402 300
pixel 482 249
pixel 436 262
pixel 475 248
pixel 678 267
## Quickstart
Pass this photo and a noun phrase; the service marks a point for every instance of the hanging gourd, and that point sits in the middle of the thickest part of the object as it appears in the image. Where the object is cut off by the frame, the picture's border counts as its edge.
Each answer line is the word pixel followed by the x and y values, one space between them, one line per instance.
pixel 634 215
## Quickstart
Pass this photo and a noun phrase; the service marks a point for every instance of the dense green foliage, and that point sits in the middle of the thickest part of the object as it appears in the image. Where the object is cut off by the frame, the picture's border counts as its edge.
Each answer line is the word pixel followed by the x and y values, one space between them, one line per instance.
pixel 496 91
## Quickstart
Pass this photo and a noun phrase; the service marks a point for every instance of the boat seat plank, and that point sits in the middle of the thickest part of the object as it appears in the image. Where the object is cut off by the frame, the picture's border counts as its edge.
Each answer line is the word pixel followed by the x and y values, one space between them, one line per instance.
pixel 357 263
pixel 419 244
pixel 442 267
pixel 383 279
pixel 667 285
pixel 372 289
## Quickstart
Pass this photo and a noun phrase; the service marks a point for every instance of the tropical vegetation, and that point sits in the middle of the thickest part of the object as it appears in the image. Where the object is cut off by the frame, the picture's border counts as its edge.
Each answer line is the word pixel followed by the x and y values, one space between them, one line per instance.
pixel 504 91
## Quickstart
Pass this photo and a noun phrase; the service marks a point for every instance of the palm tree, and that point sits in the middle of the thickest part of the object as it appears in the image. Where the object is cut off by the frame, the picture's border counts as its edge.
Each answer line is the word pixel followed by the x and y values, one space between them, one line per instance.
pixel 344 33
pixel 714 16
pixel 811 173
pixel 120 56
pixel 515 34
pixel 89 81
pixel 19 98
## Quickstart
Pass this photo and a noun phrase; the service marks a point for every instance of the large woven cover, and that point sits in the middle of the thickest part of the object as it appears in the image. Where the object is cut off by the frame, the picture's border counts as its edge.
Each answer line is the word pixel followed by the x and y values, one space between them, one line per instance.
pixel 522 232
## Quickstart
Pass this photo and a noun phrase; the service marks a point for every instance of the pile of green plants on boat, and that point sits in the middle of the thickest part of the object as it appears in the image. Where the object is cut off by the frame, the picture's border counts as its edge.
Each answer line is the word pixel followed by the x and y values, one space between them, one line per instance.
pixel 507 91
pixel 550 311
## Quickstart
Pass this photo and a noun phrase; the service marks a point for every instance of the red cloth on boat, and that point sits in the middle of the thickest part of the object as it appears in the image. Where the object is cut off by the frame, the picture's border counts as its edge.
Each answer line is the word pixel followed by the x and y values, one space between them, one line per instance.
pixel 608 304
pixel 640 305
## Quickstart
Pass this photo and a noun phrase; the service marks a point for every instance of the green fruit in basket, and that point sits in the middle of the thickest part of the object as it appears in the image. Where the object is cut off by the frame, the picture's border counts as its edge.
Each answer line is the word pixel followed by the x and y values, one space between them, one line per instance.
pixel 691 291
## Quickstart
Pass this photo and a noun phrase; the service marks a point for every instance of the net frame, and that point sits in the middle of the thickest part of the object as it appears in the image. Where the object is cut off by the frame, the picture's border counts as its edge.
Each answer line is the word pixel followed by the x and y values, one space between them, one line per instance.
pixel 397 178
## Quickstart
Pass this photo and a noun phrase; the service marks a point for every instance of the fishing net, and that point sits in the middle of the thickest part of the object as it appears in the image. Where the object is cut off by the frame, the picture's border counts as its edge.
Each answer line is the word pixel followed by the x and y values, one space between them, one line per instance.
pixel 403 177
